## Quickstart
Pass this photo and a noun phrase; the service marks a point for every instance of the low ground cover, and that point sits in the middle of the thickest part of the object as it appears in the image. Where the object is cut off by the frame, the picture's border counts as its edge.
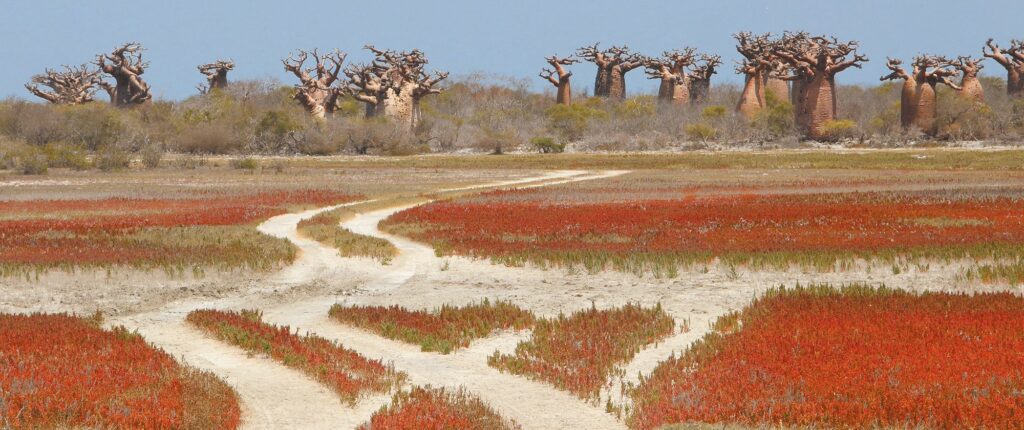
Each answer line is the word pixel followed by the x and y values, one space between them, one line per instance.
pixel 172 234
pixel 344 371
pixel 826 231
pixel 859 357
pixel 581 352
pixel 437 409
pixel 62 371
pixel 441 330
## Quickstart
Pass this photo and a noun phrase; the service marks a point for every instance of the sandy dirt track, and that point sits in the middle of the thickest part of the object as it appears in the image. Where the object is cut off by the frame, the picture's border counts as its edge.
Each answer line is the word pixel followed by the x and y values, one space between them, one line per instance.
pixel 274 396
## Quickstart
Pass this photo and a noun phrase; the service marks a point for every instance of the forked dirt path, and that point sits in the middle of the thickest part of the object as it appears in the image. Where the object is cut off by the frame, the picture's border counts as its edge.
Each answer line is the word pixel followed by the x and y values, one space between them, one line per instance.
pixel 535 405
pixel 274 396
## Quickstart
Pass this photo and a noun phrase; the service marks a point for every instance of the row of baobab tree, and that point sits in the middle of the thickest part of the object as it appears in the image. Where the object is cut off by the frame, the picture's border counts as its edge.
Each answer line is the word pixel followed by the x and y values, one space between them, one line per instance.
pixel 795 66
pixel 392 84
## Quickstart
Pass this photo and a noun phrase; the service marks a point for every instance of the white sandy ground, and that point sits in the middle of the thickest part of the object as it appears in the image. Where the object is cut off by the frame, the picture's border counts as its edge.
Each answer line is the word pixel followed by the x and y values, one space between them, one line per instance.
pixel 274 396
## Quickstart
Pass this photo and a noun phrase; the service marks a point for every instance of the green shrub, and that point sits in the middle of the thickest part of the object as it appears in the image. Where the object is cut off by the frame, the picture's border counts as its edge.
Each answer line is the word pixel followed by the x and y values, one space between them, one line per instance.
pixel 246 163
pixel 547 145
pixel 714 112
pixel 701 131
pixel 635 108
pixel 29 160
pixel 206 139
pixel 570 121
pixel 63 155
pixel 839 129
pixel 112 158
pixel 777 117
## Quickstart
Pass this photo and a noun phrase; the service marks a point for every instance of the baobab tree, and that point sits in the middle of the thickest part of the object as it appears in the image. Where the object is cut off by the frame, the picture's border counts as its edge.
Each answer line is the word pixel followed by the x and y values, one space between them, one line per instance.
pixel 216 75
pixel 671 70
pixel 815 62
pixel 394 83
pixel 126 66
pixel 559 77
pixel 316 90
pixel 1012 60
pixel 699 81
pixel 918 101
pixel 612 66
pixel 970 86
pixel 757 65
pixel 73 86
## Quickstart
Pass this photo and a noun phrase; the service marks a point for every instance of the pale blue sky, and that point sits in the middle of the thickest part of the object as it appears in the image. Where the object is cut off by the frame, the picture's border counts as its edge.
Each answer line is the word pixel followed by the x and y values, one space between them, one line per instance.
pixel 508 37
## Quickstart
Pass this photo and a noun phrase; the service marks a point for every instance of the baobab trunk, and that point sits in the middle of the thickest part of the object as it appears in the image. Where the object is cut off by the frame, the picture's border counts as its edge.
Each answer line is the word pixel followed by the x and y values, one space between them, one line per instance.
pixel 752 97
pixel 559 77
pixel 700 90
pixel 908 103
pixel 925 108
pixel 1013 61
pixel 617 83
pixel 972 89
pixel 817 106
pixel 778 87
pixel 602 82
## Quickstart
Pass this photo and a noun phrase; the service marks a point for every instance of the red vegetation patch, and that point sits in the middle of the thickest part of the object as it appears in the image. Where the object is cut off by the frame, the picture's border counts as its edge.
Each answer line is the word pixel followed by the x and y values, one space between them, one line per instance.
pixel 859 357
pixel 62 371
pixel 105 231
pixel 443 330
pixel 437 409
pixel 345 371
pixel 697 229
pixel 580 353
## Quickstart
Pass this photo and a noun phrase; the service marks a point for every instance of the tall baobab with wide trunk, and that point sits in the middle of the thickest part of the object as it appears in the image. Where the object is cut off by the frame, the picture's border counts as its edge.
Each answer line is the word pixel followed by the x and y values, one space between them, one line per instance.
pixel 908 94
pixel 612 66
pixel 671 70
pixel 777 81
pixel 970 86
pixel 559 77
pixel 919 96
pixel 394 84
pixel 125 65
pixel 816 61
pixel 216 75
pixel 758 64
pixel 74 85
pixel 316 90
pixel 699 81
pixel 1013 61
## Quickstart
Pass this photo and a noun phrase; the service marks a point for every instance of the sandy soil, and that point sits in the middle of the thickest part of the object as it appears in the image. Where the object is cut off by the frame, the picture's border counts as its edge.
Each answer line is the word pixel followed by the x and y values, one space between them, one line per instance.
pixel 274 396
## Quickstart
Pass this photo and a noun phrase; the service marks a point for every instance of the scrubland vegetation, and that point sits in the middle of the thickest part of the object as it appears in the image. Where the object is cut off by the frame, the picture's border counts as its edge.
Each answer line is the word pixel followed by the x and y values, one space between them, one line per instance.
pixel 346 372
pixel 62 371
pixel 858 357
pixel 441 330
pixel 475 113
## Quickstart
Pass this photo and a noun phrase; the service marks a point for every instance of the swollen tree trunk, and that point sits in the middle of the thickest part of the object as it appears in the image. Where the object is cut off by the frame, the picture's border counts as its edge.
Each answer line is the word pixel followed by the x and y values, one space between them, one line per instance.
pixel 817 106
pixel 612 66
pixel 1013 61
pixel 779 87
pixel 908 103
pixel 316 92
pixel 617 83
pixel 752 98
pixel 926 108
pixel 700 90
pixel 603 82
pixel 125 65
pixel 559 77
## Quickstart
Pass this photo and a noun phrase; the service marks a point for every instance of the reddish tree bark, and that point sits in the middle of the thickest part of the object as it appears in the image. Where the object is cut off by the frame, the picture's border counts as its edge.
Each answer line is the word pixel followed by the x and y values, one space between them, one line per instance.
pixel 216 75
pixel 316 91
pixel 612 66
pixel 700 77
pixel 559 77
pixel 74 85
pixel 126 66
pixel 1013 61
pixel 908 94
pixel 816 62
